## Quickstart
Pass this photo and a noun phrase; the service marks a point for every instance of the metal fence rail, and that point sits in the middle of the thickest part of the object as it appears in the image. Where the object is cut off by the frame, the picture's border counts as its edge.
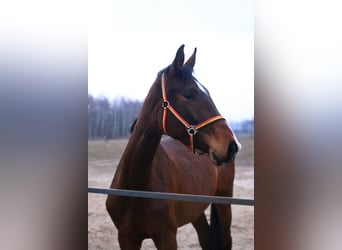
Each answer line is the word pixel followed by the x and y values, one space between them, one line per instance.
pixel 173 196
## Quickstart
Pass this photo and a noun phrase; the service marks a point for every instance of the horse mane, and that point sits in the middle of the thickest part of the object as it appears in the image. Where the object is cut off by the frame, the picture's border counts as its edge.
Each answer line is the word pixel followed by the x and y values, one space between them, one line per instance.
pixel 133 125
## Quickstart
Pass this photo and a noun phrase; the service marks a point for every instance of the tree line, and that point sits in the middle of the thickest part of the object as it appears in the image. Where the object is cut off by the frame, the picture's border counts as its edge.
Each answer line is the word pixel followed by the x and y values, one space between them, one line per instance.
pixel 111 120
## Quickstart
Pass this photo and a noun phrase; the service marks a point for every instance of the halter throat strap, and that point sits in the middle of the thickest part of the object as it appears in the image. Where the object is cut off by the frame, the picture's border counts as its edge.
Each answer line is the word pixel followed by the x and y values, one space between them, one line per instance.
pixel 192 130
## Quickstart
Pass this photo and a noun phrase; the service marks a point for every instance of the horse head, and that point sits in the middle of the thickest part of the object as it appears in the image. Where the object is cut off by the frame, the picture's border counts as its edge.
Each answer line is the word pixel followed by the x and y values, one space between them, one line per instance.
pixel 190 115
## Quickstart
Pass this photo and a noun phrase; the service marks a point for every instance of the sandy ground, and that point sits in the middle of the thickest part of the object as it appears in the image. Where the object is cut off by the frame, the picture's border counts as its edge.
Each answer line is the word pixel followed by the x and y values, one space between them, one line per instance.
pixel 103 235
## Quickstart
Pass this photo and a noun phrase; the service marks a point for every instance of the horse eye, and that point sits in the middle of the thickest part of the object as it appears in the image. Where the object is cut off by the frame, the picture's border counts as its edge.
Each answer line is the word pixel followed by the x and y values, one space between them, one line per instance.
pixel 190 95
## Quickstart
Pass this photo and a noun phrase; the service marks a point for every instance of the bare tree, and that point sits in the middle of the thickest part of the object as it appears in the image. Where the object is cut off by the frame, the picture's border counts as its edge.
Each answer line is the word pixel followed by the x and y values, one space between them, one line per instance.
pixel 111 120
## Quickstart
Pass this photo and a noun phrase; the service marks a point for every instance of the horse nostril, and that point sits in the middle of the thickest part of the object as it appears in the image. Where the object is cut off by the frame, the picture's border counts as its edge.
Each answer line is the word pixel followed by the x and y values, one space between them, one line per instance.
pixel 232 150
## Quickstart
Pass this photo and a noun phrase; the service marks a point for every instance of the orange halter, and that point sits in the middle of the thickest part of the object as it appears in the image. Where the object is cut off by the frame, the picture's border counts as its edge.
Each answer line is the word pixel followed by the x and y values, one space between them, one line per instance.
pixel 191 129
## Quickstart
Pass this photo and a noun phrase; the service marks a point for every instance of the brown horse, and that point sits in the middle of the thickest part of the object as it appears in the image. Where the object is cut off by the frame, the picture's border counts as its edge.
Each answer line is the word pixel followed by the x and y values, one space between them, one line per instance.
pixel 179 106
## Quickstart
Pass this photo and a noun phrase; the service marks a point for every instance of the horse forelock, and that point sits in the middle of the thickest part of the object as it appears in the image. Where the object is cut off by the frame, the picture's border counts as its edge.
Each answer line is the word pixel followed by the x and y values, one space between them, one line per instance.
pixel 185 73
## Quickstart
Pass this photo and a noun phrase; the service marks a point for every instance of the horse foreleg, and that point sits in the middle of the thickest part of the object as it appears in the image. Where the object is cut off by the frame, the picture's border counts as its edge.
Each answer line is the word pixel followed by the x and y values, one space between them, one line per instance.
pixel 129 241
pixel 166 239
pixel 224 213
pixel 202 228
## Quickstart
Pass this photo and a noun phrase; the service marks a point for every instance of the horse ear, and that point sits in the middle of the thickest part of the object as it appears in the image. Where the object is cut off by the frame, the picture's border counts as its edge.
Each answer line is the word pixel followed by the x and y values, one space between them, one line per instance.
pixel 191 61
pixel 178 61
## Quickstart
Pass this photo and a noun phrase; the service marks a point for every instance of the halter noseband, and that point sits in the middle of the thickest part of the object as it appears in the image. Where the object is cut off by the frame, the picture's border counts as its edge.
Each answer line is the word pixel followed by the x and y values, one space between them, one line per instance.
pixel 191 129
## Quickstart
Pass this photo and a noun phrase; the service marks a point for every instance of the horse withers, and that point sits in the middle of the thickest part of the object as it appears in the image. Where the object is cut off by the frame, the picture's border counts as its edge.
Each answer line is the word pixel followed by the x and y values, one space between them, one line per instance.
pixel 196 158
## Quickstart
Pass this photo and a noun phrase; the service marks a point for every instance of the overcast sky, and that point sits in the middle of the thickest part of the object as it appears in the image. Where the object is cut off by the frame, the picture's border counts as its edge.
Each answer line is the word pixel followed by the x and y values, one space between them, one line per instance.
pixel 130 41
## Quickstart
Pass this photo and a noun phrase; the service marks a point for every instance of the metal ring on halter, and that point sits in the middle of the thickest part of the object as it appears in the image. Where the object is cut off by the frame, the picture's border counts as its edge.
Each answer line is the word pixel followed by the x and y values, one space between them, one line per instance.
pixel 192 130
pixel 165 104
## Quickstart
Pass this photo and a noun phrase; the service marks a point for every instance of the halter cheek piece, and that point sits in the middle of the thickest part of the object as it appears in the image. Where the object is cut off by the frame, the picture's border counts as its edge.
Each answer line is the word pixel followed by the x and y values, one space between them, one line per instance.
pixel 191 129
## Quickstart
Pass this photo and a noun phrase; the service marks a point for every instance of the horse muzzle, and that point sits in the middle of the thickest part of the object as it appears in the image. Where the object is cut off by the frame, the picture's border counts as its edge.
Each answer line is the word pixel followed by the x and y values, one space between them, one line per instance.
pixel 229 155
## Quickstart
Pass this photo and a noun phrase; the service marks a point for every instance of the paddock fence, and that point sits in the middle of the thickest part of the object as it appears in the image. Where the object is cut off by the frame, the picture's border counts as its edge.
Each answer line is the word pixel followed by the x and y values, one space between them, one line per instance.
pixel 173 196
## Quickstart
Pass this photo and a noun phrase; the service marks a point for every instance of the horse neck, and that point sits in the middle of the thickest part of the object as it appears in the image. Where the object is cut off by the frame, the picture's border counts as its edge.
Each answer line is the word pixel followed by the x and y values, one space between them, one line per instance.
pixel 136 163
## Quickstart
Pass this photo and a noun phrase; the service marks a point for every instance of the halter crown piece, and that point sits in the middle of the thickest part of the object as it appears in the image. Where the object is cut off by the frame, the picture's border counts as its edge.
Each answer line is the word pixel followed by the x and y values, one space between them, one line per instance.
pixel 191 129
